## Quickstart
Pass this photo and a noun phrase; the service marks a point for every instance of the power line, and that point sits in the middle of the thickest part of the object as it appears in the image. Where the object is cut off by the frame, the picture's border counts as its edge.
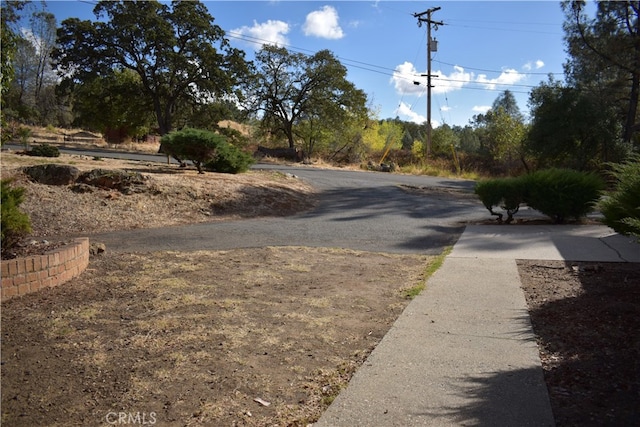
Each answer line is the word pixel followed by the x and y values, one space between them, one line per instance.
pixel 366 65
pixel 391 72
pixel 491 71
pixel 363 65
pixel 511 30
pixel 504 22
pixel 484 83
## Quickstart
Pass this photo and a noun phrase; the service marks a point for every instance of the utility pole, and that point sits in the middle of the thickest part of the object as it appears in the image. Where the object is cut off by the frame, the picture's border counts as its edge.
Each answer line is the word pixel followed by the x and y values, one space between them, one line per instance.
pixel 432 46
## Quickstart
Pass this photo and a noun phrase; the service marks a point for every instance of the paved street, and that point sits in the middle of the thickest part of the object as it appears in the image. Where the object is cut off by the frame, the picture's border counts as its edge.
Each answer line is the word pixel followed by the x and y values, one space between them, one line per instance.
pixel 356 210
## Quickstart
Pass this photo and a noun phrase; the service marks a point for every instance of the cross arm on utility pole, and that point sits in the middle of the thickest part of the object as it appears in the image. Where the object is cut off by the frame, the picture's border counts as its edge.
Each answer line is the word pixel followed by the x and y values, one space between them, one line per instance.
pixel 428 18
pixel 433 9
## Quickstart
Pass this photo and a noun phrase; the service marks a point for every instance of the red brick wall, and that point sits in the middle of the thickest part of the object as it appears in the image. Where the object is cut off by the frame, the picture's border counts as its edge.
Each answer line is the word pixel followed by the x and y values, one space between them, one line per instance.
pixel 21 276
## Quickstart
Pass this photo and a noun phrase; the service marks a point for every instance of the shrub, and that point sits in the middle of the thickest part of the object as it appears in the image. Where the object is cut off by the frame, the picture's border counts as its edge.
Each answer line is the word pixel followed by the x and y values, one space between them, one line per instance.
pixel 562 193
pixel 229 159
pixel 199 146
pixel 207 150
pixel 15 223
pixel 24 134
pixel 621 207
pixel 507 193
pixel 44 150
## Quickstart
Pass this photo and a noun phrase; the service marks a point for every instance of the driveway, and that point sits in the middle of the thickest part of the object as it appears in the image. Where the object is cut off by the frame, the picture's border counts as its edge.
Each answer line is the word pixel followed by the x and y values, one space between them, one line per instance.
pixel 369 211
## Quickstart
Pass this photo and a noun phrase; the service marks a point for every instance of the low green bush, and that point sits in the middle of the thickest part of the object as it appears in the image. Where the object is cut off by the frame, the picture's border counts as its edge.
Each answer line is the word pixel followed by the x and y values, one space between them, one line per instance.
pixel 44 150
pixel 15 223
pixel 230 159
pixel 621 207
pixel 207 150
pixel 558 193
pixel 506 193
pixel 562 194
pixel 197 145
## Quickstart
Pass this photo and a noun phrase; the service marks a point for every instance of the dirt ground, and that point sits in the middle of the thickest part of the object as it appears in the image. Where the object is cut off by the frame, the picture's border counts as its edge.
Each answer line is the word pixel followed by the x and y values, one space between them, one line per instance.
pixel 268 336
pixel 586 317
pixel 258 337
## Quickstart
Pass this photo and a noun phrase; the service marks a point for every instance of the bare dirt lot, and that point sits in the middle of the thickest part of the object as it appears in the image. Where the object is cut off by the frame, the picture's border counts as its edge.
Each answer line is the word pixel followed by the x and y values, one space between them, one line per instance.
pixel 254 337
pixel 199 338
pixel 266 336
pixel 586 317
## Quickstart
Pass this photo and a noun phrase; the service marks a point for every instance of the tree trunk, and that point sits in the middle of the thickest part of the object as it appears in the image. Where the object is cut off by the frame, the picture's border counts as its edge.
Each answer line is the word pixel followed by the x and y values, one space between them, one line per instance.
pixel 288 130
pixel 163 117
pixel 630 122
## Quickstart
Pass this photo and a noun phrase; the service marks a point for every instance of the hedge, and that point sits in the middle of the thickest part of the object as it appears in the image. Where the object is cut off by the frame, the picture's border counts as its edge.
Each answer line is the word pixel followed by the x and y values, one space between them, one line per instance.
pixel 558 193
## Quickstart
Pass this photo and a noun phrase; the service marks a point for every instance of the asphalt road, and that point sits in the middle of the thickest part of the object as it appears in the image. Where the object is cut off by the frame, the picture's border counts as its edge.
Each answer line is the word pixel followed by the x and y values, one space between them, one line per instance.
pixel 356 210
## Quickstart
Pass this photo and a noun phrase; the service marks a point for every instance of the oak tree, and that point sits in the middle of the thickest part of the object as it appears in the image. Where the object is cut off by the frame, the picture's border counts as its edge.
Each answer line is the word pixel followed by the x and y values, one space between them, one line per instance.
pixel 304 96
pixel 178 52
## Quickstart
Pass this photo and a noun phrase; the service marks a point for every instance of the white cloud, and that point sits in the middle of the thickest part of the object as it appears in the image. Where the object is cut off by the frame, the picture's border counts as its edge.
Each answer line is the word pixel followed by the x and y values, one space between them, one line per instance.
pixel 481 108
pixel 323 23
pixel 507 77
pixel 445 108
pixel 454 81
pixel 533 65
pixel 270 32
pixel 404 111
pixel 406 76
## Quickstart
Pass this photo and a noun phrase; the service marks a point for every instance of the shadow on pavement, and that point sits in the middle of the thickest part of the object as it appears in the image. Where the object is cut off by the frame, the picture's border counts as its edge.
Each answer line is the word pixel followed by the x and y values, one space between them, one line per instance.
pixel 497 399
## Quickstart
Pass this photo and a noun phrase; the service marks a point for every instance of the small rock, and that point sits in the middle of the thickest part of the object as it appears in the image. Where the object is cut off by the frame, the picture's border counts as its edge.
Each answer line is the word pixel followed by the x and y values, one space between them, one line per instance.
pixel 82 188
pixel 262 401
pixel 97 248
pixel 52 174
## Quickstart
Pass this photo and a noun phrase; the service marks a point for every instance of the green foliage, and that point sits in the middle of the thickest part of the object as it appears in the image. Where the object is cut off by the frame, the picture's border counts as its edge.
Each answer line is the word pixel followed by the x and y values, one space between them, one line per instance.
pixel 562 193
pixel 30 96
pixel 506 102
pixel 114 101
pixel 44 150
pixel 199 146
pixel 417 149
pixel 621 207
pixel 207 150
pixel 24 133
pixel 558 193
pixel 305 97
pixel 442 138
pixel 500 135
pixel 181 57
pixel 229 159
pixel 603 51
pixel 571 128
pixel 507 193
pixel 8 41
pixel 505 136
pixel 15 223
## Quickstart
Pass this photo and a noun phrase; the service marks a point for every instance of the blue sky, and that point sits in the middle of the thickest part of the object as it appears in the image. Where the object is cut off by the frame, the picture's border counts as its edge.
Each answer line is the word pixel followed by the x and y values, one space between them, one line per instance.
pixel 484 47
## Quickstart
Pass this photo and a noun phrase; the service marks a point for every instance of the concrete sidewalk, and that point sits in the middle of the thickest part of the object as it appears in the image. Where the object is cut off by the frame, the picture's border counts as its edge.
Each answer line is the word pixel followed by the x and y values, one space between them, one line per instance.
pixel 463 352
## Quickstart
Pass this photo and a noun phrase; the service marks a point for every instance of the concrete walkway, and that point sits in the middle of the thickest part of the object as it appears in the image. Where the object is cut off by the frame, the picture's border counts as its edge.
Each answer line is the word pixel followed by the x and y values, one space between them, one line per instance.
pixel 463 352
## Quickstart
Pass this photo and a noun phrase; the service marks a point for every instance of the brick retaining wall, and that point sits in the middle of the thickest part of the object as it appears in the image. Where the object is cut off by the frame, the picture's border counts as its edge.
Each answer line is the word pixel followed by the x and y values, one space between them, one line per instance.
pixel 21 276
